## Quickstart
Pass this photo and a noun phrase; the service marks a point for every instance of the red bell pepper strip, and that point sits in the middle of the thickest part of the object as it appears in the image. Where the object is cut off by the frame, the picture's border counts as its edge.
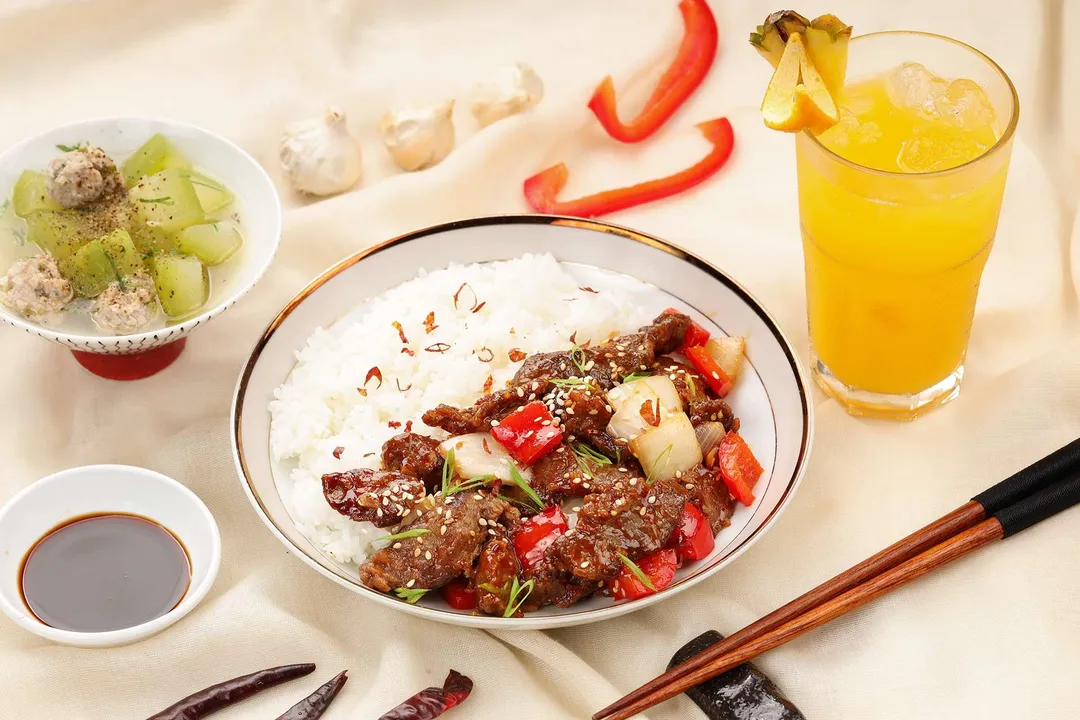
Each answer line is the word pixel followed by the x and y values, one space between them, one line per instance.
pixel 459 594
pixel 535 534
pixel 705 364
pixel 542 189
pixel 739 468
pixel 686 73
pixel 659 566
pixel 693 538
pixel 525 435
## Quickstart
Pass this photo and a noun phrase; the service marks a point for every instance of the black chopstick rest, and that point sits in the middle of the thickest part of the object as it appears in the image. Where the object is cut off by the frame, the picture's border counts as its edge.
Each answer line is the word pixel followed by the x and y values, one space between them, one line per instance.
pixel 744 692
pixel 1043 473
pixel 1045 503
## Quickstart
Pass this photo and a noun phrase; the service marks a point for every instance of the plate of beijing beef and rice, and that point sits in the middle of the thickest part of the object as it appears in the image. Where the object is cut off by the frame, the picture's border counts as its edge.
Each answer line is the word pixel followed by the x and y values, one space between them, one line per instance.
pixel 521 422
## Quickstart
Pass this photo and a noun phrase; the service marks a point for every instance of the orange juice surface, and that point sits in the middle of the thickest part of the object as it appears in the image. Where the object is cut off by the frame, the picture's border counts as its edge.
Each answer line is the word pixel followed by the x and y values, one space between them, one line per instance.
pixel 893 254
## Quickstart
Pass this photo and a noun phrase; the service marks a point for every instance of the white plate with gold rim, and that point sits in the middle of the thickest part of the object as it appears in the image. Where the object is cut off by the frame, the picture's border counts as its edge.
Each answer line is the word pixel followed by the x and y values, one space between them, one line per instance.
pixel 771 398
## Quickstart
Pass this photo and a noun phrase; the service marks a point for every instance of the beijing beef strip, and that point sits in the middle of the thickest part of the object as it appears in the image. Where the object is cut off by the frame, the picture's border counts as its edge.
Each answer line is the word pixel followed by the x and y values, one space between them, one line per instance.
pixel 449 538
pixel 416 455
pixel 630 517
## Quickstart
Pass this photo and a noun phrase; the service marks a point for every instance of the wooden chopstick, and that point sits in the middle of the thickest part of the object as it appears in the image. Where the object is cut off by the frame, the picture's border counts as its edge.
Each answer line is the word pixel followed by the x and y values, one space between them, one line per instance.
pixel 1024 483
pixel 957 546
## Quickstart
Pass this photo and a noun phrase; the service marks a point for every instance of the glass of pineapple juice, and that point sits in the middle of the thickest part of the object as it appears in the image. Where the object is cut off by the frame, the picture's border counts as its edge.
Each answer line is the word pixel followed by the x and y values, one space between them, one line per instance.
pixel 899 204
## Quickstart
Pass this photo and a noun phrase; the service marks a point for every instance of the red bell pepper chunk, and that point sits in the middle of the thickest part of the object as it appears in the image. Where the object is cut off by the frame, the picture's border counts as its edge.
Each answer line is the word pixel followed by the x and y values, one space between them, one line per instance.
pixel 705 364
pixel 524 434
pixel 535 535
pixel 682 78
pixel 459 594
pixel 542 189
pixel 693 539
pixel 659 566
pixel 739 468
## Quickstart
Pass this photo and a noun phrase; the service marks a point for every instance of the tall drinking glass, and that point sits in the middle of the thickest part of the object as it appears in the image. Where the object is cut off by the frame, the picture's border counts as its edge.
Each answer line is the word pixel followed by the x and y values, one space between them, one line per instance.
pixel 899 204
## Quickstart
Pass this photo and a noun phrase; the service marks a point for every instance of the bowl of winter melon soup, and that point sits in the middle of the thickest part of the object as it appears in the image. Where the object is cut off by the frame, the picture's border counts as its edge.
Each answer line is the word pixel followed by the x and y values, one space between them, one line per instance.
pixel 119 236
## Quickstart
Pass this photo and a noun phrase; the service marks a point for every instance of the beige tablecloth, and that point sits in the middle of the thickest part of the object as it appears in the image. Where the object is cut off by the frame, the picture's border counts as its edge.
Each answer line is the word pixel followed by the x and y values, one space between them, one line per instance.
pixel 995 636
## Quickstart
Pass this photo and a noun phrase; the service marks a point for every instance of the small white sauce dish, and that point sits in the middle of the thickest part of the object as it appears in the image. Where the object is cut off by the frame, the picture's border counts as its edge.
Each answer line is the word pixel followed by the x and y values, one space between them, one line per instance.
pixel 96 489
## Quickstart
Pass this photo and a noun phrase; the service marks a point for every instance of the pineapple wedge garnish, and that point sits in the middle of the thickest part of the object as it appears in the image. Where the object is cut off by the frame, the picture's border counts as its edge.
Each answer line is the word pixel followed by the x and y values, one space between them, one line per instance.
pixel 797 98
pixel 827 44
pixel 770 38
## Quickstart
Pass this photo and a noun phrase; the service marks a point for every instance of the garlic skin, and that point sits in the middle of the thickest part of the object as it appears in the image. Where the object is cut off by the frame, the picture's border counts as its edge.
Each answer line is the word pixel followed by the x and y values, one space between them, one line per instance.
pixel 320 156
pixel 510 90
pixel 418 138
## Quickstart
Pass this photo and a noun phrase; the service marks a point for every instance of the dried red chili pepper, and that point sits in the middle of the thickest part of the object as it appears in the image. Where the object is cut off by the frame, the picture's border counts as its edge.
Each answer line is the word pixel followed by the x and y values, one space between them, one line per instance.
pixel 397 381
pixel 516 355
pixel 682 78
pixel 439 347
pixel 376 373
pixel 408 426
pixel 429 323
pixel 542 189
pixel 589 290
pixel 400 332
pixel 479 307
pixel 432 702
pixel 488 383
pixel 215 697
pixel 314 705
pixel 407 351
pixel 337 452
pixel 394 424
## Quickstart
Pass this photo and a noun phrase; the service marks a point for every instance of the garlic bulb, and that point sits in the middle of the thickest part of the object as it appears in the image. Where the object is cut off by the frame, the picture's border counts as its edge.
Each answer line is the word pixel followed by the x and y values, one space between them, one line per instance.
pixel 510 90
pixel 320 156
pixel 418 138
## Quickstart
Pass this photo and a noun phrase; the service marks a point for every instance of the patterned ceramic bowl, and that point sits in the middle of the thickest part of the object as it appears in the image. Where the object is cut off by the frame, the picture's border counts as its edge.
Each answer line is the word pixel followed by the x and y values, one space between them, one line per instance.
pixel 142 354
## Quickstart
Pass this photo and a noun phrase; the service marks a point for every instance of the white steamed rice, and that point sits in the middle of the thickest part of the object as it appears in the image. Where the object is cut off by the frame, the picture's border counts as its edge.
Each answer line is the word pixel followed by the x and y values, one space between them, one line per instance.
pixel 530 304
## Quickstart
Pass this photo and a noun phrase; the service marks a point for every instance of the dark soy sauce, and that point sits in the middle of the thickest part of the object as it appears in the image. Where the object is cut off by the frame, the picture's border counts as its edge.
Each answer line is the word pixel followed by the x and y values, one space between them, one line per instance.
pixel 104 572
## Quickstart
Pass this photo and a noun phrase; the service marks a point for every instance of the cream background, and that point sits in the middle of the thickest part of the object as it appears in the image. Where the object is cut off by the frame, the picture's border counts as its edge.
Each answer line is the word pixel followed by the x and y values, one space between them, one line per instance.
pixel 995 636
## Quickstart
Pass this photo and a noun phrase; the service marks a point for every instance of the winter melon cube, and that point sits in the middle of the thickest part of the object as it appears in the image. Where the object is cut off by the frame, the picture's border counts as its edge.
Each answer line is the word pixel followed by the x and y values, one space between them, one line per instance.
pixel 90 270
pixel 167 201
pixel 213 243
pixel 183 283
pixel 155 155
pixel 213 196
pixel 31 194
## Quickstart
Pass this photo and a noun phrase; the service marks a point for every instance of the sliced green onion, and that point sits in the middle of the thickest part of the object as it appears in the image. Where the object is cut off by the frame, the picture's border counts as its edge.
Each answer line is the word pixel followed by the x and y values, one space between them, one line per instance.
pixel 571 382
pixel 638 572
pixel 656 467
pixel 636 376
pixel 448 470
pixel 518 479
pixel 410 595
pixel 470 484
pixel 577 355
pixel 591 455
pixel 519 593
pixel 416 532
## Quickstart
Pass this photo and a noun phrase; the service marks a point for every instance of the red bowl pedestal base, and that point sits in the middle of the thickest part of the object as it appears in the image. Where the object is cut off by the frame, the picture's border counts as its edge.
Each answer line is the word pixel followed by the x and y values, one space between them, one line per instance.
pixel 134 366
